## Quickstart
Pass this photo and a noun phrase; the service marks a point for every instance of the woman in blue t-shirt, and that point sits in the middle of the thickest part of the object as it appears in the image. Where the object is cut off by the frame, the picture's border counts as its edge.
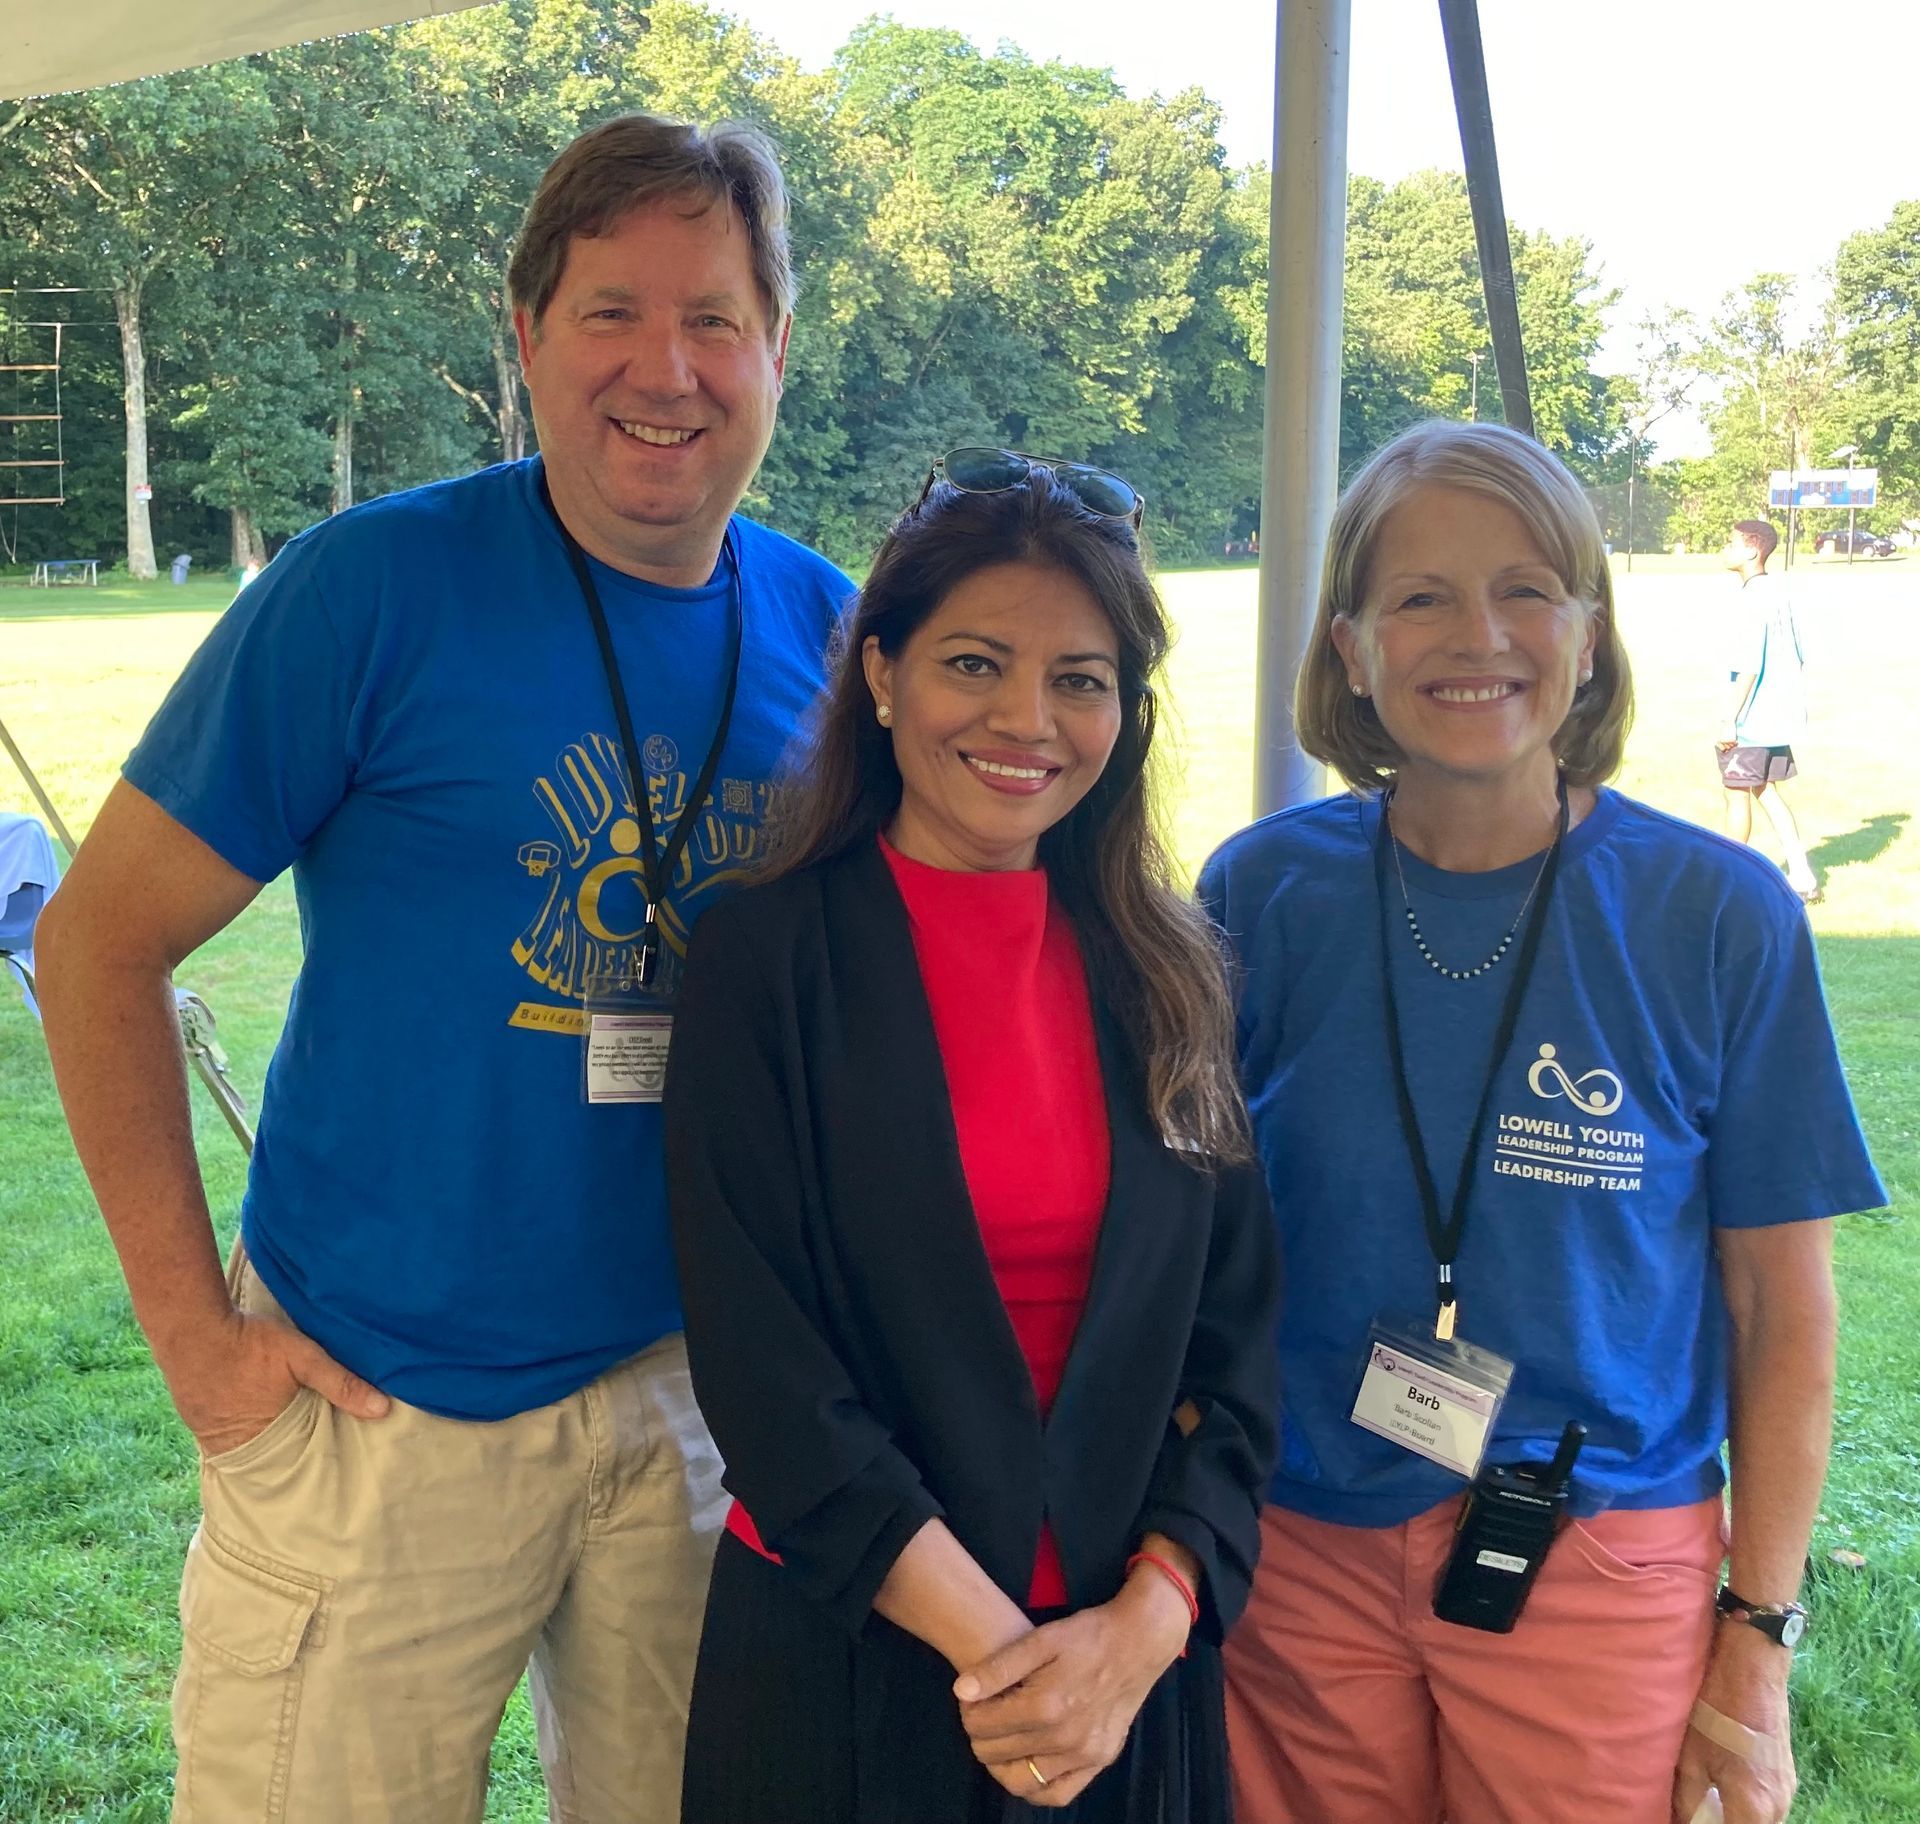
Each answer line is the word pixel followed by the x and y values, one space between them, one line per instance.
pixel 1548 1100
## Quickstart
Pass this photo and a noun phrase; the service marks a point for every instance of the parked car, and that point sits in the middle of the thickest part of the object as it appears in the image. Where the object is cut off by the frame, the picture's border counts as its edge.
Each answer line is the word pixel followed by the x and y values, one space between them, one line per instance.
pixel 1865 543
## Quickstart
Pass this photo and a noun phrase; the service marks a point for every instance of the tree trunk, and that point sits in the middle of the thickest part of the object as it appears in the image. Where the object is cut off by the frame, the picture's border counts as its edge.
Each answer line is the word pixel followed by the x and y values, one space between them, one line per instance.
pixel 133 361
pixel 248 546
pixel 343 452
pixel 343 419
pixel 512 417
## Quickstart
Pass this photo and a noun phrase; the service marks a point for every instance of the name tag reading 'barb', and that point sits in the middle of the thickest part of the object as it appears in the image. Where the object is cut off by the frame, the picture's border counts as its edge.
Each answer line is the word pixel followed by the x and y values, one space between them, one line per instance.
pixel 1442 1414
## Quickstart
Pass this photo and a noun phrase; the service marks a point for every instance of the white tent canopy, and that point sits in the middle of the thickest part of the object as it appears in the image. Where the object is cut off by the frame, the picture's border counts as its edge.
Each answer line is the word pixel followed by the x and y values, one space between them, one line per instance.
pixel 50 46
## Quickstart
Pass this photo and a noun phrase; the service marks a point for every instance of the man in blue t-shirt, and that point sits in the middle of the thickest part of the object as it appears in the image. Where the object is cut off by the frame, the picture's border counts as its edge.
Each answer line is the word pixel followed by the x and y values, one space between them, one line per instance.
pixel 511 734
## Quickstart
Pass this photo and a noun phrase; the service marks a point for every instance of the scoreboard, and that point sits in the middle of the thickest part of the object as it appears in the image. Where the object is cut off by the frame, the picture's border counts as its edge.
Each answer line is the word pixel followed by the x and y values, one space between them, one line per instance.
pixel 1823 487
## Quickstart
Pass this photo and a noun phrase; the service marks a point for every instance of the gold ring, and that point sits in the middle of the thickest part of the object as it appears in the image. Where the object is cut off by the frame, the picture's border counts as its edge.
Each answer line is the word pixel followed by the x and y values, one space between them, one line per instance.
pixel 1037 1774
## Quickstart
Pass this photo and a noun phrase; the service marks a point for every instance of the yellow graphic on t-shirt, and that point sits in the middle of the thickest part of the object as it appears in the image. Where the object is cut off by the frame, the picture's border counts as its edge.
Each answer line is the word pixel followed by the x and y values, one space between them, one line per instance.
pixel 589 868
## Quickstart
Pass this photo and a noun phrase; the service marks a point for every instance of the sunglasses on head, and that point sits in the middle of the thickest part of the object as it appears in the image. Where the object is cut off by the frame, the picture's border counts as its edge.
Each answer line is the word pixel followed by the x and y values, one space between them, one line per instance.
pixel 984 471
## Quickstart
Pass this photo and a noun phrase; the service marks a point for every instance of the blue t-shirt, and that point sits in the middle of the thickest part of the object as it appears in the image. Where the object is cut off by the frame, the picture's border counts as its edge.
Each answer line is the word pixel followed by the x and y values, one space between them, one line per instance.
pixel 1673 1072
pixel 408 709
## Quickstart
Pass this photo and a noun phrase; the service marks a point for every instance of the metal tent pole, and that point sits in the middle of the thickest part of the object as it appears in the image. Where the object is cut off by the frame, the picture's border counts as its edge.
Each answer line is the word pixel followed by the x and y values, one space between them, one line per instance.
pixel 54 822
pixel 1305 287
pixel 201 1039
pixel 1460 23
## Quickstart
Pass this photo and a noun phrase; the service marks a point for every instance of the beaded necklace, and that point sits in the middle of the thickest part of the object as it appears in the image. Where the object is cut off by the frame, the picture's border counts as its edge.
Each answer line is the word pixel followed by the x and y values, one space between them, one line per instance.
pixel 1499 949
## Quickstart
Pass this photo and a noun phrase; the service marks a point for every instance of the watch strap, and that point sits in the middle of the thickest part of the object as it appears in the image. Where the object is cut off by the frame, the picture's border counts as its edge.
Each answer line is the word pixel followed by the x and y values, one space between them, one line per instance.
pixel 1781 1622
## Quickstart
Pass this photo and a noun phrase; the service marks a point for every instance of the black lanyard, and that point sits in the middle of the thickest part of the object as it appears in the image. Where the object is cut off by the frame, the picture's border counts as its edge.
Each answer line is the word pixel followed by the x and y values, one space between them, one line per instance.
pixel 656 864
pixel 1444 1237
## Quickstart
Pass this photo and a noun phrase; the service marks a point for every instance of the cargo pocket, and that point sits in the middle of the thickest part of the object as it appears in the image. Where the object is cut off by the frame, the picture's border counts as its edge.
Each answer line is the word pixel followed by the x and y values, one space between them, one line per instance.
pixel 238 1694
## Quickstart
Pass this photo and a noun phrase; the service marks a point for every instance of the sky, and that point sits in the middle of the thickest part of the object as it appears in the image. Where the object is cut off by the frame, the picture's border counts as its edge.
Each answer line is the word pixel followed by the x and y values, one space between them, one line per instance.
pixel 1693 142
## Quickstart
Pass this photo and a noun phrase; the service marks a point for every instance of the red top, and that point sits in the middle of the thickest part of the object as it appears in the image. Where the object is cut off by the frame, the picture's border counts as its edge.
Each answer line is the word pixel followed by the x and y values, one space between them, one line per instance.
pixel 1008 992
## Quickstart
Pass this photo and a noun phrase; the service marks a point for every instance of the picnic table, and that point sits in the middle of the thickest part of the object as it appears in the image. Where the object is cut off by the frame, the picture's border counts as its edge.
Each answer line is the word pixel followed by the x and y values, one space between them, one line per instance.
pixel 65 570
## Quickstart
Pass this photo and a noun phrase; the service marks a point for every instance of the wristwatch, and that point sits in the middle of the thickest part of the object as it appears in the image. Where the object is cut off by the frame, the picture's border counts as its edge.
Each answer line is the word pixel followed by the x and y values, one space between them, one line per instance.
pixel 1782 1622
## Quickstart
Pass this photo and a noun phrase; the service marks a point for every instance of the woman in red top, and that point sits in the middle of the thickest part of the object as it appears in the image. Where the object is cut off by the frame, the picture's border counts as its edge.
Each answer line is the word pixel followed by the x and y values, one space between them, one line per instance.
pixel 979 1282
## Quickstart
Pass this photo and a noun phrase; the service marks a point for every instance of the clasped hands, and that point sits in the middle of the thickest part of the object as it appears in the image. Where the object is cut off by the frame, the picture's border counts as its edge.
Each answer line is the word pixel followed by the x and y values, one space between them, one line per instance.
pixel 1061 1698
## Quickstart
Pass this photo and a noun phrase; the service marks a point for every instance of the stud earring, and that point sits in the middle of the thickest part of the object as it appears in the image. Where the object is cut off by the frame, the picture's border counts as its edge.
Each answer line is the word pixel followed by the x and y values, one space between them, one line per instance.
pixel 885 713
pixel 1359 690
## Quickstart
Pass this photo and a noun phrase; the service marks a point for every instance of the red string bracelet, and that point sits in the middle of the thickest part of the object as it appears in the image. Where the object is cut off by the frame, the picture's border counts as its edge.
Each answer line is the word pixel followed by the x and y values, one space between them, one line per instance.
pixel 1172 1574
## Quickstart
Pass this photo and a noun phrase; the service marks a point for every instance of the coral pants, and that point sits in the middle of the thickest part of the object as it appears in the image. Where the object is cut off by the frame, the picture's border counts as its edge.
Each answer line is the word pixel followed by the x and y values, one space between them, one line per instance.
pixel 1349 1702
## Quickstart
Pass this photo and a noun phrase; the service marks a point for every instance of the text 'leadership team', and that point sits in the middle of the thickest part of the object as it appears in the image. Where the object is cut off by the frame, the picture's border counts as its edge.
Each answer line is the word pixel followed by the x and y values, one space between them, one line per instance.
pixel 774 1212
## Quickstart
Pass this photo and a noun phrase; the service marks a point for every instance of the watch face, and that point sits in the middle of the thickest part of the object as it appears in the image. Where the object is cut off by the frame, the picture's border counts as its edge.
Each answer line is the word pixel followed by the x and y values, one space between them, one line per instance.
pixel 1793 1625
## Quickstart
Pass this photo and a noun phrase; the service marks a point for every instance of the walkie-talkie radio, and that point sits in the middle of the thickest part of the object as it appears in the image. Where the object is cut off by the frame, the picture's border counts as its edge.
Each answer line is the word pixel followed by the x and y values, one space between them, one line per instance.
pixel 1509 1520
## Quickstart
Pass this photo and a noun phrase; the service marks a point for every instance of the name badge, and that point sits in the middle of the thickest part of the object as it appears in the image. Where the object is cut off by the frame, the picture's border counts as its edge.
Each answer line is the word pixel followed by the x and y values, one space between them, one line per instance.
pixel 1436 1399
pixel 627 1056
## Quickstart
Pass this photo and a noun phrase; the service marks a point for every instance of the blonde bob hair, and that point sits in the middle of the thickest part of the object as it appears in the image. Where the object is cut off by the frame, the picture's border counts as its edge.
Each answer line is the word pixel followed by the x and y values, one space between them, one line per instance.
pixel 1345 731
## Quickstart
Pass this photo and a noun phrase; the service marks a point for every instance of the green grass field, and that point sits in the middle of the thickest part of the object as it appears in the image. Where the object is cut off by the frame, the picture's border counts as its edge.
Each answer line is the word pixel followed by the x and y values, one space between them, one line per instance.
pixel 97 1486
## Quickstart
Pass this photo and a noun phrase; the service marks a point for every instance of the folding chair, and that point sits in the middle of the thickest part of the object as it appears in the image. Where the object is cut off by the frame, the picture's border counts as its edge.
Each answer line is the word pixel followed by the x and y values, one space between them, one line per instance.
pixel 27 875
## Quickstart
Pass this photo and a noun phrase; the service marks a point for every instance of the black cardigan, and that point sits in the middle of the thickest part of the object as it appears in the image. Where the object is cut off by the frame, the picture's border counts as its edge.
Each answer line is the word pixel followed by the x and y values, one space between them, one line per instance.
pixel 849 1346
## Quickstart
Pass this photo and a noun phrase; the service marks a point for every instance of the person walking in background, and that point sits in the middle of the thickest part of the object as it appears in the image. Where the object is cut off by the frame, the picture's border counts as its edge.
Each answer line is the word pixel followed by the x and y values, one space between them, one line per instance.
pixel 512 734
pixel 1768 714
pixel 1553 1119
pixel 980 1275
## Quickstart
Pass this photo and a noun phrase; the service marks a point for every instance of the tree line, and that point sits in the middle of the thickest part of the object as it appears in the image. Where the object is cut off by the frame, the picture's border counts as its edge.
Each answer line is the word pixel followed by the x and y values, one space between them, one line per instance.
pixel 299 260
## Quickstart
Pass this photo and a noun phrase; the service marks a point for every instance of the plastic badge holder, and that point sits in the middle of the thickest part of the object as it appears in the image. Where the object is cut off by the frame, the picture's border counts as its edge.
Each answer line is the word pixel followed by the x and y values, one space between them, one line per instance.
pixel 1439 1400
pixel 629 1027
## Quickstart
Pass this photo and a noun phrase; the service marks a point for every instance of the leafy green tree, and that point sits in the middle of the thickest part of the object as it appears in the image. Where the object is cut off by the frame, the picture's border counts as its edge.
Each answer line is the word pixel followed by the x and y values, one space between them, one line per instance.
pixel 248 415
pixel 1781 403
pixel 1562 319
pixel 373 156
pixel 243 395
pixel 1186 271
pixel 1876 295
pixel 1012 252
pixel 1416 318
pixel 983 314
pixel 1633 504
pixel 126 183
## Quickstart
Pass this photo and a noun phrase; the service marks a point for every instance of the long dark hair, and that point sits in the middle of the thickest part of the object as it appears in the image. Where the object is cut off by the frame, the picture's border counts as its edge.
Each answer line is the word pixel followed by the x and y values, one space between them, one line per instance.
pixel 1154 958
